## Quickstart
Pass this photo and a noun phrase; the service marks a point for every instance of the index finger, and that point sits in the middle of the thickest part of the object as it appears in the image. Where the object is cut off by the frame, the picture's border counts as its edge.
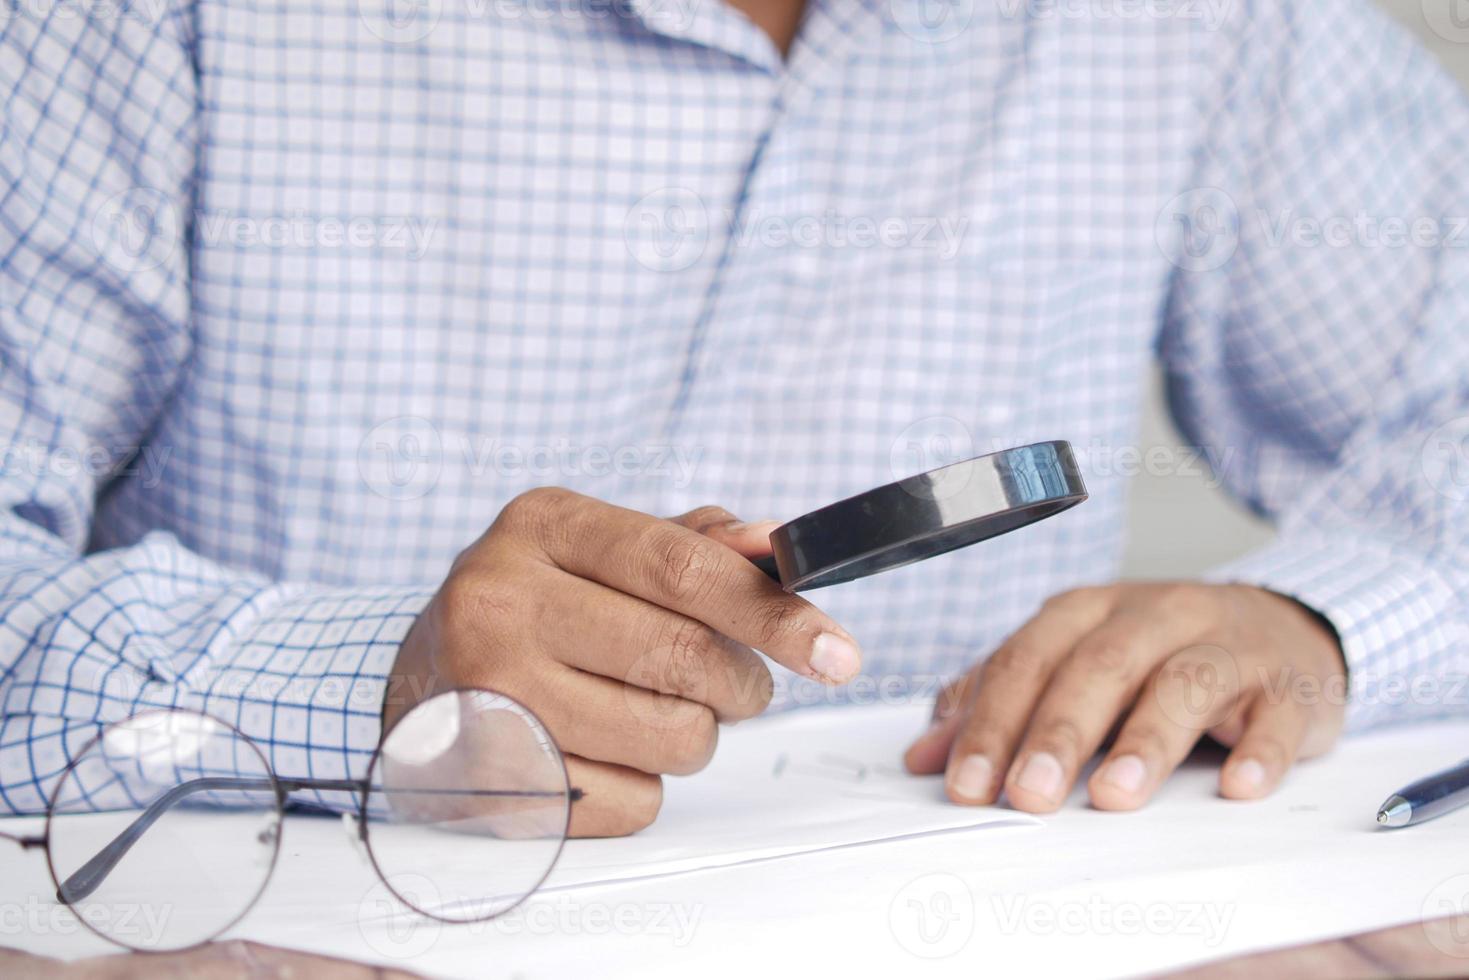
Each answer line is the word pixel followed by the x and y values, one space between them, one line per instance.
pixel 750 539
pixel 1011 683
pixel 680 569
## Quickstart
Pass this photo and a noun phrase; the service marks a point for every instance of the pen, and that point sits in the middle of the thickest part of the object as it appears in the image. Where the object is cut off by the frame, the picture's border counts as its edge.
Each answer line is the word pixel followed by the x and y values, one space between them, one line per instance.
pixel 1431 796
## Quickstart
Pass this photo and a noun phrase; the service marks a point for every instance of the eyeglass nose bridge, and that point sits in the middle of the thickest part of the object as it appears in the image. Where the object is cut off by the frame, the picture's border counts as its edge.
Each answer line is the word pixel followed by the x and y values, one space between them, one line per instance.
pixel 269 834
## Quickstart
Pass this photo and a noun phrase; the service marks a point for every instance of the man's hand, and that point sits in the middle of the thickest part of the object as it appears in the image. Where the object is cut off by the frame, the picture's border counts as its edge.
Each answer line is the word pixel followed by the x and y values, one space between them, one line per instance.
pixel 1168 663
pixel 630 636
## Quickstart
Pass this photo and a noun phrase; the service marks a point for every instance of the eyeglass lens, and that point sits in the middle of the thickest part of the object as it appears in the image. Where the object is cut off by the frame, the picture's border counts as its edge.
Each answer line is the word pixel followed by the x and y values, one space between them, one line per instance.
pixel 468 806
pixel 164 830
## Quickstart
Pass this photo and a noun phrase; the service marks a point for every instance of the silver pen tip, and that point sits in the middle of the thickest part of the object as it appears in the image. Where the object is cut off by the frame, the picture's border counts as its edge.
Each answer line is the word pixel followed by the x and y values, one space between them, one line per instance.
pixel 1396 812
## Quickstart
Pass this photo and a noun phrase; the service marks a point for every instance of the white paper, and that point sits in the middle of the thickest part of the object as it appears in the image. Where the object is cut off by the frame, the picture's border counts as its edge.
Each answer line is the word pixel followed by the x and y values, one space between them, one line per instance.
pixel 809 781
pixel 1190 878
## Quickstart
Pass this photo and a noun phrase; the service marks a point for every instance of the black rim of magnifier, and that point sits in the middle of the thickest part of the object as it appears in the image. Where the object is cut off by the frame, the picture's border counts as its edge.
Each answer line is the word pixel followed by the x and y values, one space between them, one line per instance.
pixel 918 517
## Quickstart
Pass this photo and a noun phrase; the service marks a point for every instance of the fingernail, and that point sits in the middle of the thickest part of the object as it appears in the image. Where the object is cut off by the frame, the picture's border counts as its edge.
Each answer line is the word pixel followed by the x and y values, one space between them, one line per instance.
pixel 1041 775
pixel 1250 774
pixel 751 527
pixel 1127 773
pixel 835 659
pixel 972 778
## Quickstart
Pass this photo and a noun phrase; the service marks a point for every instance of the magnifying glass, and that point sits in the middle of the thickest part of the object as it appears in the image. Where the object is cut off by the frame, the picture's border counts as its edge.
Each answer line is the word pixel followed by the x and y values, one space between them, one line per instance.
pixel 925 515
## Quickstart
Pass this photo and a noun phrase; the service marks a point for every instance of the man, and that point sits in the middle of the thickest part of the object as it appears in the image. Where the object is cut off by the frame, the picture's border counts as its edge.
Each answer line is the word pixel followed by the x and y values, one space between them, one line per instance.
pixel 301 300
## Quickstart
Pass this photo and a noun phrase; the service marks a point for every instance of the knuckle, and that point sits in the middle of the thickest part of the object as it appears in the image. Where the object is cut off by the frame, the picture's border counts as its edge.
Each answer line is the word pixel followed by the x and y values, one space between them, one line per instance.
pixel 1012 664
pixel 761 693
pixel 1106 656
pixel 535 508
pixel 1147 741
pixel 1187 602
pixel 469 600
pixel 1063 736
pixel 953 696
pixel 778 621
pixel 642 802
pixel 1193 671
pixel 505 672
pixel 686 647
pixel 1077 600
pixel 976 735
pixel 1062 601
pixel 741 686
pixel 706 518
pixel 1196 669
pixel 682 566
pixel 1269 750
pixel 692 745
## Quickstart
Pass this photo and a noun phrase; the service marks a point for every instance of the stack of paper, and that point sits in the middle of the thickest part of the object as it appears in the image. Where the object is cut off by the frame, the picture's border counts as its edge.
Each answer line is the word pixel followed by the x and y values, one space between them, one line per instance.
pixel 812 781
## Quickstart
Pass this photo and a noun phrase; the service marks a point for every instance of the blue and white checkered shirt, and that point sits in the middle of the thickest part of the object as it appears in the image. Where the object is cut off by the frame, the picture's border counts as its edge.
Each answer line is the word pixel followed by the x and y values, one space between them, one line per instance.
pixel 296 294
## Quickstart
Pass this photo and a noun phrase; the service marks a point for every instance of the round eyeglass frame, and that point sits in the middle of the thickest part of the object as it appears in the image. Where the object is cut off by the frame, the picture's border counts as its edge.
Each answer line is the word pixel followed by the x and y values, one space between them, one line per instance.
pixel 570 796
pixel 280 791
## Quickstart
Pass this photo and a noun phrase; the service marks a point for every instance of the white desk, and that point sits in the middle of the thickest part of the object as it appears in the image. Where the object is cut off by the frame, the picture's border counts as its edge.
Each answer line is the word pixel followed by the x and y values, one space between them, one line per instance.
pixel 1190 879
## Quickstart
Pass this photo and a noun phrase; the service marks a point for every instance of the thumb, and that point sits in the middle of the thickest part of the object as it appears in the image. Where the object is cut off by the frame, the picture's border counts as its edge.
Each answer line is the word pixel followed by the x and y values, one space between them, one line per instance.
pixel 750 539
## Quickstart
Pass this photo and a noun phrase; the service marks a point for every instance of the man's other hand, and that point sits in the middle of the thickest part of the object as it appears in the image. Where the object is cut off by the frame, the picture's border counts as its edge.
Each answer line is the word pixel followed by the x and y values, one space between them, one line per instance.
pixel 1161 664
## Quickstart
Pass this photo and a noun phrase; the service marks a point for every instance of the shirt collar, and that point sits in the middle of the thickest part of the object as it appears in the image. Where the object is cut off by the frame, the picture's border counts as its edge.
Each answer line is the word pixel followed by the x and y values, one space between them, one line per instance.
pixel 829 31
pixel 711 23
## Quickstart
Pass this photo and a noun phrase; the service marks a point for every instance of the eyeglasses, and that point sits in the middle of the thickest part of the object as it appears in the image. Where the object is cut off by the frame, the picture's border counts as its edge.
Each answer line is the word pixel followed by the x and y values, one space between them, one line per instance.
pixel 162 833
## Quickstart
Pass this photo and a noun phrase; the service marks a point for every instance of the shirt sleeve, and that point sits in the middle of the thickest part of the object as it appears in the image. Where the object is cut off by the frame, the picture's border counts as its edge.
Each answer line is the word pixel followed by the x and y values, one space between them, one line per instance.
pixel 1316 339
pixel 97 158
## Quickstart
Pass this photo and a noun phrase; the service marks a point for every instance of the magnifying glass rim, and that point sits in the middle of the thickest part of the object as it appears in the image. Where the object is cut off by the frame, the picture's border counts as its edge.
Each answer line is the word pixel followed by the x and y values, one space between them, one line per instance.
pixel 788 551
pixel 96 740
pixel 372 767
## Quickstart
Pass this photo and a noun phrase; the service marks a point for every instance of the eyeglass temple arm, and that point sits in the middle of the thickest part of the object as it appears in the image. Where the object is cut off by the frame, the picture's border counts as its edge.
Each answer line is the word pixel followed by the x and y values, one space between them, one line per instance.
pixel 23 840
pixel 90 876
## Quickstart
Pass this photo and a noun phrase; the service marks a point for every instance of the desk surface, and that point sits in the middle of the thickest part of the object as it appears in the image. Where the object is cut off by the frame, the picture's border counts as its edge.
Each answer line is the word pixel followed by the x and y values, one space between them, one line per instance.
pixel 1189 882
pixel 1436 948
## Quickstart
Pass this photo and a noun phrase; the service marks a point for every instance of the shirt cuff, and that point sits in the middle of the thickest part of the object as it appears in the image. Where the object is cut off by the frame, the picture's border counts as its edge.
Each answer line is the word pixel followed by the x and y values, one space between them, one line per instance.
pixel 1399 621
pixel 306 681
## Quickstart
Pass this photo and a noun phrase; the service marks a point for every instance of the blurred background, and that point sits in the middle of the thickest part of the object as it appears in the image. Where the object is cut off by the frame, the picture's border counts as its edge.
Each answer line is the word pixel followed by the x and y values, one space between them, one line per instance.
pixel 1181 525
